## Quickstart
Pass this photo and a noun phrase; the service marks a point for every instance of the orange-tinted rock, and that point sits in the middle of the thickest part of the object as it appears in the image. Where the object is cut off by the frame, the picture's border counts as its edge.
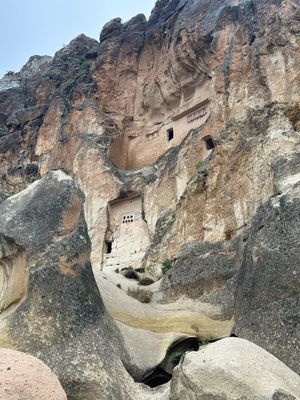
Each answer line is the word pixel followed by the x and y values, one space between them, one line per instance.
pixel 25 377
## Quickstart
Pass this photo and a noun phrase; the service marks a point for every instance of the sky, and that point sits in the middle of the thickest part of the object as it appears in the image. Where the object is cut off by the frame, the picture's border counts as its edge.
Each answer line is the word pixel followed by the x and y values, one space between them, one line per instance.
pixel 42 27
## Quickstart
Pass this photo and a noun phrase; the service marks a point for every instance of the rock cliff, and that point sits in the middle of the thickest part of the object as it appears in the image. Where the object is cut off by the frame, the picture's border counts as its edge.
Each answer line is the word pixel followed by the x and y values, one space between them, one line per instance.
pixel 182 135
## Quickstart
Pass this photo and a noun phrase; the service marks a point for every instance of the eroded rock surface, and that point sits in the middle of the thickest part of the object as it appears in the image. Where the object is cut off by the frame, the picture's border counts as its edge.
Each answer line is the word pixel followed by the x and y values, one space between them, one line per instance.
pixel 183 134
pixel 25 377
pixel 267 307
pixel 233 369
pixel 13 277
pixel 253 278
pixel 62 319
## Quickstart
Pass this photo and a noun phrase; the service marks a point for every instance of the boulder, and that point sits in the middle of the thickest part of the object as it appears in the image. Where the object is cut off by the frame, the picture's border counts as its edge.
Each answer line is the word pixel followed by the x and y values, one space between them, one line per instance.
pixel 199 268
pixel 233 369
pixel 25 377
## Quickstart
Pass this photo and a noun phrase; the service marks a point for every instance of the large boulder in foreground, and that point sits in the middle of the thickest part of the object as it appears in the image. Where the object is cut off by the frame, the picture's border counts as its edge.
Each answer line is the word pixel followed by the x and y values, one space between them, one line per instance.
pixel 50 303
pixel 25 377
pixel 233 369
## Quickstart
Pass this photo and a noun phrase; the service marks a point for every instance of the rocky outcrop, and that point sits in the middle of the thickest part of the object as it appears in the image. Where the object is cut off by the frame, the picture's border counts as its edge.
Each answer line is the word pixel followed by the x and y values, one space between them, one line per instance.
pixel 188 52
pixel 233 369
pixel 59 315
pixel 267 298
pixel 226 190
pixel 25 377
pixel 254 277
pixel 199 268
pixel 194 114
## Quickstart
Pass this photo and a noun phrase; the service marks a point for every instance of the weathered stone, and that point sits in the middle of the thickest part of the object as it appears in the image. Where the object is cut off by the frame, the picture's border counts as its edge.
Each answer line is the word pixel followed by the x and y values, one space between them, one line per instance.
pixel 35 65
pixel 60 317
pixel 25 377
pixel 213 139
pixel 254 278
pixel 198 269
pixel 267 309
pixel 232 369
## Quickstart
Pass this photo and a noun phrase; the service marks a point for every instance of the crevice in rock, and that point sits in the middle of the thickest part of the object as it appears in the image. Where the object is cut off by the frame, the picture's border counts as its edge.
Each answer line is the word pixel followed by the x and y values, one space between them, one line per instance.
pixel 157 377
pixel 164 371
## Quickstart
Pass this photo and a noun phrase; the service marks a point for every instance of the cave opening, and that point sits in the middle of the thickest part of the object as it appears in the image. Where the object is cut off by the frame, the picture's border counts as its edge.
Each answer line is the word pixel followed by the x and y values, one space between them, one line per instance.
pixel 209 143
pixel 170 134
pixel 157 377
pixel 108 247
pixel 251 39
pixel 164 371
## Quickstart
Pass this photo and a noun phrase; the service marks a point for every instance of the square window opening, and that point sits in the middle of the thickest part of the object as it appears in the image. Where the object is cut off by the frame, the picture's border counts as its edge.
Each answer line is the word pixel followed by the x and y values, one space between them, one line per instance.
pixel 108 247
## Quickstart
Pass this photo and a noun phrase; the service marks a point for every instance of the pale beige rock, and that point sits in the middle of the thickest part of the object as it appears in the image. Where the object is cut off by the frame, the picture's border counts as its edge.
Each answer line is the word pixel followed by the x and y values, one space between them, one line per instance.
pixel 149 329
pixel 23 377
pixel 220 203
pixel 13 276
pixel 232 369
pixel 136 91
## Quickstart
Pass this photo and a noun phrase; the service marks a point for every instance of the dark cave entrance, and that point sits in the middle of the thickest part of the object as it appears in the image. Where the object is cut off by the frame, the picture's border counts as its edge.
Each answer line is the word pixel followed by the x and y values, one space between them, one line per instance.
pixel 209 143
pixel 163 372
pixel 108 247
pixel 157 377
pixel 170 134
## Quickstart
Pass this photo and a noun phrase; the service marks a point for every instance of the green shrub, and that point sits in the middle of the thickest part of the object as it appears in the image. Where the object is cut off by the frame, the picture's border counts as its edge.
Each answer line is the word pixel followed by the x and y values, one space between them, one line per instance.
pixel 83 67
pixel 166 265
pixel 199 164
pixel 65 170
pixel 81 73
pixel 175 357
pixel 34 178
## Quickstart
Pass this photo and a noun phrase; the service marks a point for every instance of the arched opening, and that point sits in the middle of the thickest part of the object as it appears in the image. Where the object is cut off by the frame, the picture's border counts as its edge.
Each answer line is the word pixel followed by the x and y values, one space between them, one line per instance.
pixel 163 372
pixel 209 143
pixel 170 134
pixel 127 237
pixel 108 247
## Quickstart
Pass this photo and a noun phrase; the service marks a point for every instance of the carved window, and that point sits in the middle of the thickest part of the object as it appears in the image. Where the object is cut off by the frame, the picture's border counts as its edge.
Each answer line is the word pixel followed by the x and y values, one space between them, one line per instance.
pixel 127 218
pixel 108 247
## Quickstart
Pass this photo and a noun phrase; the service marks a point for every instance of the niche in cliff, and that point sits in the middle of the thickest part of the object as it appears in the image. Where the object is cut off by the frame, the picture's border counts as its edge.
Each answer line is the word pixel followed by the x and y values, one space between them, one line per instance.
pixel 127 236
pixel 13 278
pixel 163 372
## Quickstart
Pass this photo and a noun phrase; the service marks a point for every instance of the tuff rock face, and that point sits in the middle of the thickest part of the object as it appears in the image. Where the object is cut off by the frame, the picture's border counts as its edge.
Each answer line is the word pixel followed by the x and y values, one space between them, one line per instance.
pixel 25 377
pixel 182 134
pixel 59 315
pixel 222 364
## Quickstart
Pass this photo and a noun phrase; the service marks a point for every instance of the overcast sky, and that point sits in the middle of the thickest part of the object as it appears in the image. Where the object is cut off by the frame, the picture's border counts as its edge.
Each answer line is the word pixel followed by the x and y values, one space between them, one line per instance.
pixel 42 27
